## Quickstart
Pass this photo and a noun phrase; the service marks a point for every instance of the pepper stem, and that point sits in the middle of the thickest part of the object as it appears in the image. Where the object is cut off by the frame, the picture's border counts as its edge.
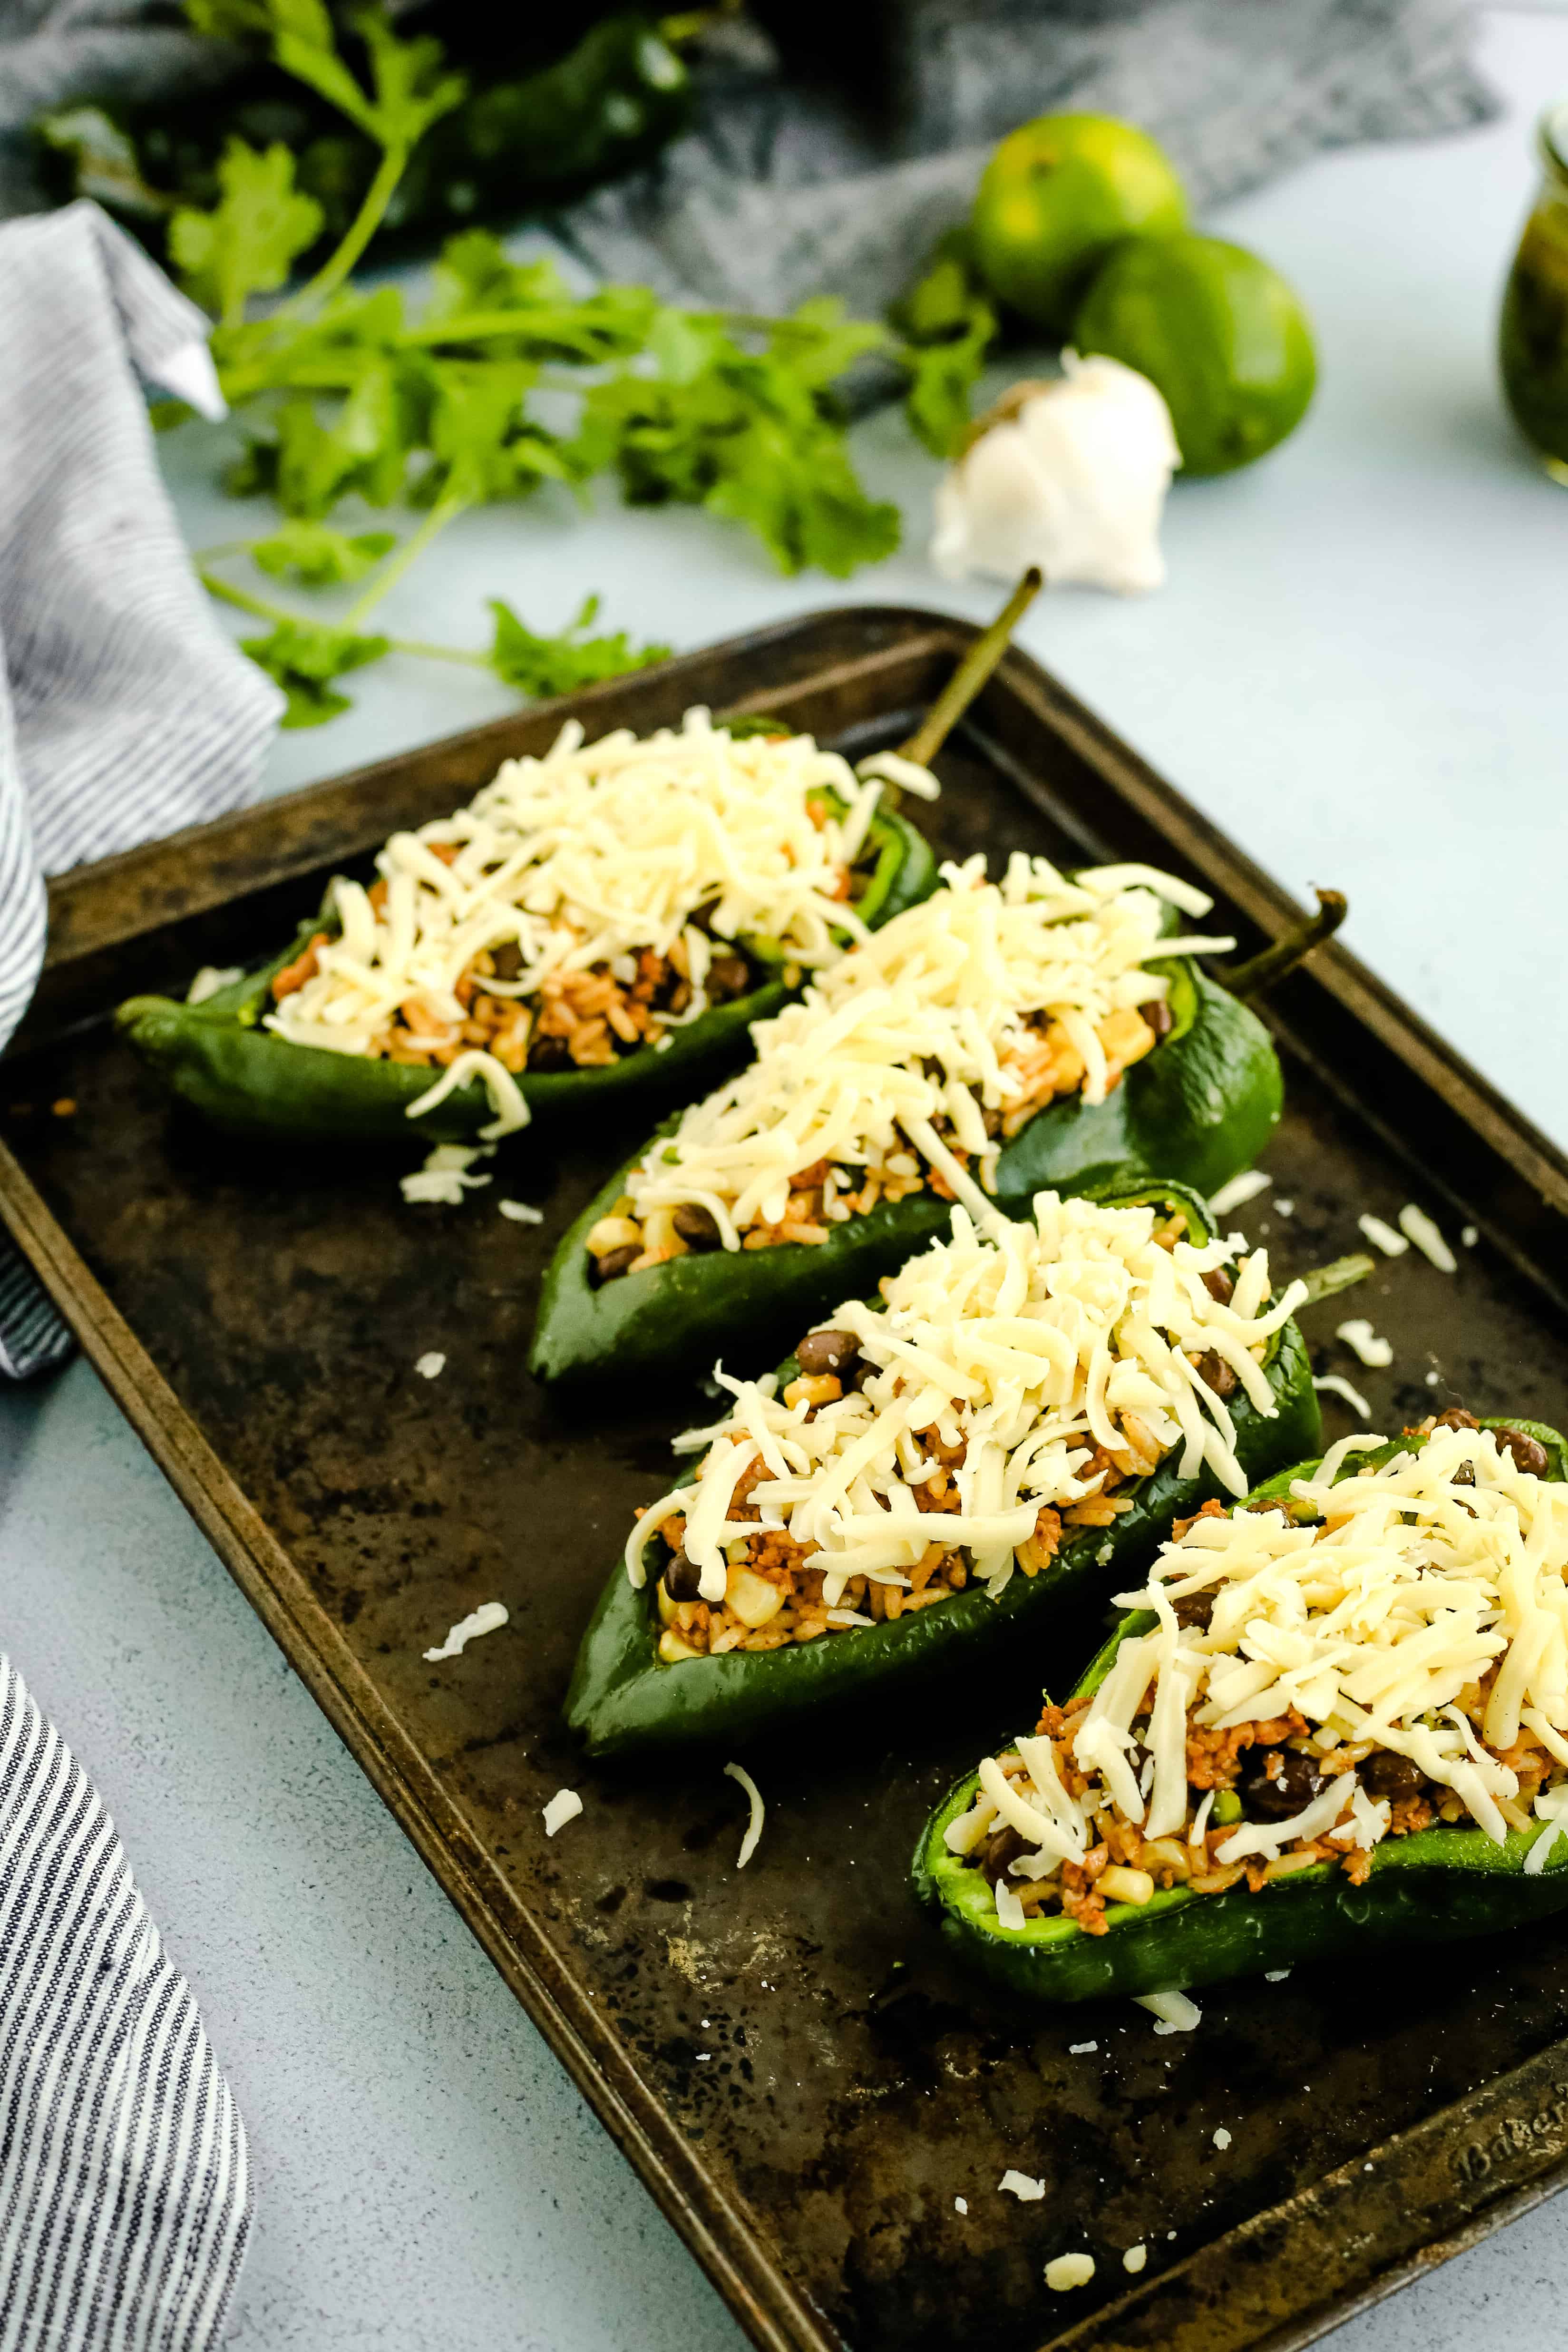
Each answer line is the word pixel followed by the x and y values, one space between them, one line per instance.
pixel 1340 1274
pixel 971 673
pixel 1261 971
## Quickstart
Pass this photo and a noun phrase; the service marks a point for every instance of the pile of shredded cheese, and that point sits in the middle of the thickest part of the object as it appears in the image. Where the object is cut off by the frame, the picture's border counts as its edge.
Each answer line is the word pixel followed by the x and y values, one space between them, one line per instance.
pixel 586 857
pixel 1371 1625
pixel 1029 1345
pixel 923 1022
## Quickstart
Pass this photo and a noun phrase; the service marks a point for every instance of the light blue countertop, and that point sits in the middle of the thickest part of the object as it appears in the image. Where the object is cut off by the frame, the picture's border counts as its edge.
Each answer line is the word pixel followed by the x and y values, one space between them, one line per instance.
pixel 1357 670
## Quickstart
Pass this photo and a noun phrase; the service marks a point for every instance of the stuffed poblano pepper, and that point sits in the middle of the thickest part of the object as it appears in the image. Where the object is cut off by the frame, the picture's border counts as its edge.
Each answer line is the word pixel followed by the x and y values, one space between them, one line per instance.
pixel 1003 1037
pixel 1025 1412
pixel 1335 1716
pixel 604 921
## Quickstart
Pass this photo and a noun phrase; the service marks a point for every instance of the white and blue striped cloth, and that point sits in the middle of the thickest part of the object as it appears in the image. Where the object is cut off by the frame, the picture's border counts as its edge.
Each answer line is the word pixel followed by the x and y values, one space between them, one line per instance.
pixel 124 2182
pixel 125 711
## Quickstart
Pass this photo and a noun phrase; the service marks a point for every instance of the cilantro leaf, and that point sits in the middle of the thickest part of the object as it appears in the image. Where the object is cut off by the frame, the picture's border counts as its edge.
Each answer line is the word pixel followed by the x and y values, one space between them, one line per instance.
pixel 408 91
pixel 319 556
pixel 949 325
pixel 305 656
pixel 248 242
pixel 482 444
pixel 751 434
pixel 484 301
pixel 544 665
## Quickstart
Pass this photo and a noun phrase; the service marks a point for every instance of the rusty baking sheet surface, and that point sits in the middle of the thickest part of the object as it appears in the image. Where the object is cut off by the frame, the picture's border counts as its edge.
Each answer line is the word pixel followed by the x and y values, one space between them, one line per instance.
pixel 802 2080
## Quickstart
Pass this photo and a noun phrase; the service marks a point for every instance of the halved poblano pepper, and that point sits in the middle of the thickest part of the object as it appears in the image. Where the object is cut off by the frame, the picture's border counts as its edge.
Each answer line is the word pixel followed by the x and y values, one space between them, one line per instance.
pixel 1437 1884
pixel 625 1697
pixel 1197 1108
pixel 217 1056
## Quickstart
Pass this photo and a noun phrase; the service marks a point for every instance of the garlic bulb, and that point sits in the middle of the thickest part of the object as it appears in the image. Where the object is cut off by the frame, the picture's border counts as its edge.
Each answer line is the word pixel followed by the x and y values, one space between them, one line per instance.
pixel 1070 475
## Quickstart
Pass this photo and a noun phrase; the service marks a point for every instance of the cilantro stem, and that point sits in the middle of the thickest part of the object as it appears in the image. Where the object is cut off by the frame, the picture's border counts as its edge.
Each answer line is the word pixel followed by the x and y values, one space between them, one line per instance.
pixel 439 653
pixel 363 226
pixel 443 511
pixel 241 598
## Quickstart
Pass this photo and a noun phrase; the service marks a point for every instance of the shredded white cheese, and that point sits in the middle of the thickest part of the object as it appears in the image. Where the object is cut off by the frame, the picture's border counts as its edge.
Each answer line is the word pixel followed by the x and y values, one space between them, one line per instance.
pixel 1029 1346
pixel 1426 1573
pixel 1067 2270
pixel 1019 2185
pixel 488 1618
pixel 928 1022
pixel 1375 1353
pixel 446 1176
pixel 1222 2139
pixel 1335 1384
pixel 1382 1236
pixel 1240 1191
pixel 1470 1236
pixel 1081 2049
pixel 563 1806
pixel 754 1825
pixel 589 855
pixel 1134 2258
pixel 431 1365
pixel 211 979
pixel 1173 2012
pixel 1419 1227
pixel 520 1212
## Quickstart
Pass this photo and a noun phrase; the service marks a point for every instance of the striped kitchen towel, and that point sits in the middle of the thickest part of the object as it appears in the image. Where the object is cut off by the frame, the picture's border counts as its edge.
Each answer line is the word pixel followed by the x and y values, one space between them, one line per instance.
pixel 124 2182
pixel 125 711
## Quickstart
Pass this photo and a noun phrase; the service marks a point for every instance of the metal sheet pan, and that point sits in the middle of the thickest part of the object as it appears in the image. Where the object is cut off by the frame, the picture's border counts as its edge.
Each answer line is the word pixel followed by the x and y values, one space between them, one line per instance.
pixel 798 2075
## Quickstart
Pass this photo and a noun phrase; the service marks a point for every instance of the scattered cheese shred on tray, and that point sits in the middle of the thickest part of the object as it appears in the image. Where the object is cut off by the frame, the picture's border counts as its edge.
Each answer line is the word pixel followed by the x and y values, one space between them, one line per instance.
pixel 446 1176
pixel 563 1806
pixel 1019 2185
pixel 211 977
pixel 1024 1347
pixel 1069 2271
pixel 1173 2012
pixel 928 1022
pixel 489 1618
pixel 1222 2139
pixel 1382 1236
pixel 1377 1353
pixel 1419 1227
pixel 431 1365
pixel 589 856
pixel 1134 2258
pixel 754 1826
pixel 520 1212
pixel 1337 1385
pixel 1240 1191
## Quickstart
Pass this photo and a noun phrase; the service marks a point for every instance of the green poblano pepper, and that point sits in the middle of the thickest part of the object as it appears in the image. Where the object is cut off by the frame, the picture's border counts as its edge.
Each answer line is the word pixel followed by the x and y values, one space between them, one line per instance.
pixel 1198 1108
pixel 1439 1884
pixel 625 1697
pixel 217 1056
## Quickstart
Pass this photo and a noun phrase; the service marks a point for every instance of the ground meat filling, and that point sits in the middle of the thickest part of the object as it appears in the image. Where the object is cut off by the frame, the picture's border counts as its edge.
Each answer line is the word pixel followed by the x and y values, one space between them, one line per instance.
pixel 1048 1068
pixel 1255 1773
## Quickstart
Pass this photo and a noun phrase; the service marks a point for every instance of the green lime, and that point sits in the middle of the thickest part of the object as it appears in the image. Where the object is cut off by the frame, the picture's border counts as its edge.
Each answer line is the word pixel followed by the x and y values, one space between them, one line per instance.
pixel 1219 332
pixel 1053 200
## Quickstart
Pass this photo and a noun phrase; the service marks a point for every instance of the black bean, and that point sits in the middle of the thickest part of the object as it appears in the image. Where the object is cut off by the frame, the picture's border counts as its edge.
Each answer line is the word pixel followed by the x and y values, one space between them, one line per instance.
pixel 1527 1454
pixel 696 1226
pixel 828 1351
pixel 1385 1774
pixel 1219 1375
pixel 613 1261
pixel 1158 1015
pixel 1218 1285
pixel 1002 1847
pixel 683 1577
pixel 728 975
pixel 550 1054
pixel 506 960
pixel 1277 1781
pixel 1195 1610
pixel 1456 1417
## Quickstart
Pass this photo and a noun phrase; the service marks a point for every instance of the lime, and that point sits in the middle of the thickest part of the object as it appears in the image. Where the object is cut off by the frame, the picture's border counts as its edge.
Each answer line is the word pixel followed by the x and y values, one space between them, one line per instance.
pixel 1053 200
pixel 1218 331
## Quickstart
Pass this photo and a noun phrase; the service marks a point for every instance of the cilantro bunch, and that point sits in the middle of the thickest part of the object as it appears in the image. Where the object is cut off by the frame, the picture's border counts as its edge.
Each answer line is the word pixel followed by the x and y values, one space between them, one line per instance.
pixel 341 393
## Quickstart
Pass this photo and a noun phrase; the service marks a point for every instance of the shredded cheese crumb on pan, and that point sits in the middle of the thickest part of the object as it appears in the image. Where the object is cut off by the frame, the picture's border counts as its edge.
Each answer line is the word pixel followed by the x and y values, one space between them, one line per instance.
pixel 584 858
pixel 1017 1351
pixel 933 1024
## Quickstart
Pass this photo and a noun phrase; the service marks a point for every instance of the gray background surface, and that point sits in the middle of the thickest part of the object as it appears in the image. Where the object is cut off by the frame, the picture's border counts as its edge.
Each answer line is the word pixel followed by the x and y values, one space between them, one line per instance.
pixel 1357 669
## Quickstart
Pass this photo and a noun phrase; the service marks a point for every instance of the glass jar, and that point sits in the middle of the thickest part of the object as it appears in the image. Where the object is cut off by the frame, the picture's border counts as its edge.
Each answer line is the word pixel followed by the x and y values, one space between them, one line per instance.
pixel 1534 327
